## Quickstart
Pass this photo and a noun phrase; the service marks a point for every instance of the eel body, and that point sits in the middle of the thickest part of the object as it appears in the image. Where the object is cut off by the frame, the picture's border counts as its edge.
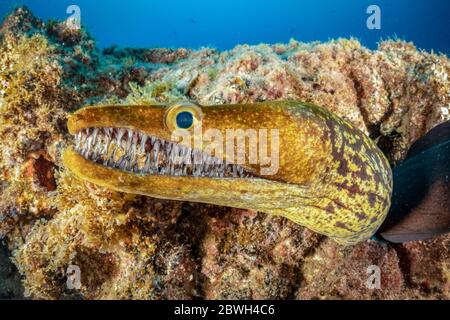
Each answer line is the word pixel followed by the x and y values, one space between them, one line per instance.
pixel 421 199
pixel 324 173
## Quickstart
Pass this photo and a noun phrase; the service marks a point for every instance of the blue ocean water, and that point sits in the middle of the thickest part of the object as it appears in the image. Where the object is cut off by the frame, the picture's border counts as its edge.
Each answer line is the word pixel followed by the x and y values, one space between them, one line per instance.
pixel 226 23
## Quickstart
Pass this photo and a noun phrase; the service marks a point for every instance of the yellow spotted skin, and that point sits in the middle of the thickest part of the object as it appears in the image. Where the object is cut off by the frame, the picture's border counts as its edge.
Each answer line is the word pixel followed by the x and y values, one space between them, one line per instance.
pixel 332 178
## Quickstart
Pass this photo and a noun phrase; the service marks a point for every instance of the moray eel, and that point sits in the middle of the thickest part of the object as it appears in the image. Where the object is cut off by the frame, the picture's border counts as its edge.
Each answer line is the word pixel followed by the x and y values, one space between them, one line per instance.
pixel 329 176
pixel 421 198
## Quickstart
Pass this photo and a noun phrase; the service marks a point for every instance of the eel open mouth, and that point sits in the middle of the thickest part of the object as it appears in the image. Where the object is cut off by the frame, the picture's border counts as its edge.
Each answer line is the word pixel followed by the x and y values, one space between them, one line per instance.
pixel 136 152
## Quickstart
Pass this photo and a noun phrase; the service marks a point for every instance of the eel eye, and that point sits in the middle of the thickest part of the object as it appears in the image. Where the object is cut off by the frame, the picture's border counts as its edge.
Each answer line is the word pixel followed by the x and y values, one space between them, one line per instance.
pixel 185 120
pixel 183 116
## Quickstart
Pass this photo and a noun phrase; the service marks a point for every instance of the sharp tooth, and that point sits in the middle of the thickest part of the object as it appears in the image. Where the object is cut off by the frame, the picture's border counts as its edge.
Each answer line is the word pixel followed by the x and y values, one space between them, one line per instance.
pixel 120 133
pixel 94 136
pixel 95 143
pixel 169 149
pixel 133 151
pixel 78 140
pixel 87 137
pixel 129 165
pixel 106 145
pixel 194 157
pixel 205 162
pixel 129 141
pixel 181 152
pixel 134 148
pixel 227 170
pixel 107 141
pixel 198 170
pixel 96 152
pixel 174 154
pixel 110 162
pixel 135 142
pixel 88 143
pixel 198 157
pixel 191 156
pixel 144 138
pixel 131 162
pixel 86 153
pixel 186 156
pixel 123 163
pixel 156 152
pixel 147 163
pixel 83 138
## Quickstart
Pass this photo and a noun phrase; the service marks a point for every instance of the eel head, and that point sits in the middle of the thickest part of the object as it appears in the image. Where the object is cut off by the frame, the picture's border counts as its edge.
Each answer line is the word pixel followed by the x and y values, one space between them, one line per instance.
pixel 286 158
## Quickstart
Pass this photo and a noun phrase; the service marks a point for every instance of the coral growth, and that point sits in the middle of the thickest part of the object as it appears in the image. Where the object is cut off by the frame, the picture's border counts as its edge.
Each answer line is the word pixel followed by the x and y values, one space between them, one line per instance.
pixel 129 246
pixel 32 119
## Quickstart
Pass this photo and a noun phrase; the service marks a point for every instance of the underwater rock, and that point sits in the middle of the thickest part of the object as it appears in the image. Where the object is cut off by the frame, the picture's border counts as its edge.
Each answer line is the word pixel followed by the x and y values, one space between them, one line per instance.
pixel 336 273
pixel 135 247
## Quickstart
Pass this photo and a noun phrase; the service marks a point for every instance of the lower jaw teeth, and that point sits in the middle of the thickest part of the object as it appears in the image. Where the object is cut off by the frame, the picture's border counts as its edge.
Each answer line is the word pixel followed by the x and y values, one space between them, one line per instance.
pixel 139 153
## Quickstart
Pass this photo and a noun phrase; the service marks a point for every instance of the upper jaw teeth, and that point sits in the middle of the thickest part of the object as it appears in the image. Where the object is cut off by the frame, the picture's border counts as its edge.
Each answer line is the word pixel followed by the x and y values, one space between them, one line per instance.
pixel 137 152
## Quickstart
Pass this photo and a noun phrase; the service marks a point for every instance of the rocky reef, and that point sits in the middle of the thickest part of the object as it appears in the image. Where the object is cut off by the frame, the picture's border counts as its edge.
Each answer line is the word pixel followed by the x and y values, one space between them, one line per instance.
pixel 136 247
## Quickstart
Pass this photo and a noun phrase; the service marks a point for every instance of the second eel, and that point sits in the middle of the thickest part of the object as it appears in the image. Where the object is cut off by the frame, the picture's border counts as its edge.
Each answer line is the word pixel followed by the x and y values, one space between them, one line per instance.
pixel 330 177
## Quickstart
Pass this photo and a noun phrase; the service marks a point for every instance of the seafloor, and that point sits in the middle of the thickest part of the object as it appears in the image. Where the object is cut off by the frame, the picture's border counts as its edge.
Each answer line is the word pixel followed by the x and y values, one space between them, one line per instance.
pixel 135 247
